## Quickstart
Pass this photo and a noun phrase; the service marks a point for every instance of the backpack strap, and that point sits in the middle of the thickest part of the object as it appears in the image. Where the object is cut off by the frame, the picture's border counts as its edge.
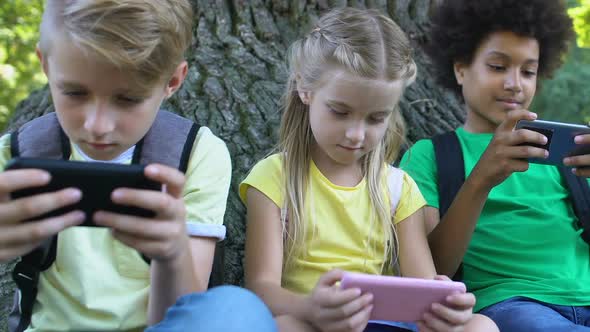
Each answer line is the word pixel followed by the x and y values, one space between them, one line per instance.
pixel 395 180
pixel 169 141
pixel 25 142
pixel 451 169
pixel 42 137
pixel 580 196
pixel 26 276
pixel 451 174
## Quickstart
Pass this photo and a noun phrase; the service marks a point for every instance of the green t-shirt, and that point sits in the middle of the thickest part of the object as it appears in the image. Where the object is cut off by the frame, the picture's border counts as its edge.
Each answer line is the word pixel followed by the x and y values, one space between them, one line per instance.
pixel 526 242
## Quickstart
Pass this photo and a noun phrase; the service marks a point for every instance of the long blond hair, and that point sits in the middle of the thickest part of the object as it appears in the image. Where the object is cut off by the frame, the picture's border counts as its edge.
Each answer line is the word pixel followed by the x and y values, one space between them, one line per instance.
pixel 364 43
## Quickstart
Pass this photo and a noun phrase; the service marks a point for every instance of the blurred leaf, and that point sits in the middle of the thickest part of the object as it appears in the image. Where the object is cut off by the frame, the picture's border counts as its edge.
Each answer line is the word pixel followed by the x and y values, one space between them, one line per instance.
pixel 564 98
pixel 20 72
pixel 581 17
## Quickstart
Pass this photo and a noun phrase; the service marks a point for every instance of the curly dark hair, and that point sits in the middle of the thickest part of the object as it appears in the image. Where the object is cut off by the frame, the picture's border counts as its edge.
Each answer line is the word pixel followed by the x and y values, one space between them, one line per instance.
pixel 459 26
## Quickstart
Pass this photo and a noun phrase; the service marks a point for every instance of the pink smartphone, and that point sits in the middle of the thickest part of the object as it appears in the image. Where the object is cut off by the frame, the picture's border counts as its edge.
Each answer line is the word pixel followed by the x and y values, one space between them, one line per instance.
pixel 401 299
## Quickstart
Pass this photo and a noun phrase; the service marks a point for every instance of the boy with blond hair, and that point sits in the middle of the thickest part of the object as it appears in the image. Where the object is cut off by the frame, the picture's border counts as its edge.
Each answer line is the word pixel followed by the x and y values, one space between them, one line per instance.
pixel 110 64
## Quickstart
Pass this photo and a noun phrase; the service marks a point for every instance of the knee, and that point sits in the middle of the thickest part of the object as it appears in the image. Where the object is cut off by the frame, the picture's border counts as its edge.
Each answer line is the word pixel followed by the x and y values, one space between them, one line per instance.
pixel 481 323
pixel 241 301
pixel 238 296
pixel 234 309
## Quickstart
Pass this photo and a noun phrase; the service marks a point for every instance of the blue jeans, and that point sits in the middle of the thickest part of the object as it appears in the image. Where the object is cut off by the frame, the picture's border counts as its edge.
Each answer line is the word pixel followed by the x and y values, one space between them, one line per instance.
pixel 524 314
pixel 386 326
pixel 225 308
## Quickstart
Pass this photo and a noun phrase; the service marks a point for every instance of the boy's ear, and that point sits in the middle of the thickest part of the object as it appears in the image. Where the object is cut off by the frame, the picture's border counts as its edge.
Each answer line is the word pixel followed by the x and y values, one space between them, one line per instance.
pixel 304 95
pixel 42 59
pixel 177 78
pixel 459 69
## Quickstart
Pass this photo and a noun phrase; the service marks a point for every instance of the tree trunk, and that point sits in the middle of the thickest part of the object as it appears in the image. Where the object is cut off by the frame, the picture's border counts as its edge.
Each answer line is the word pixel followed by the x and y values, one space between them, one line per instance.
pixel 236 78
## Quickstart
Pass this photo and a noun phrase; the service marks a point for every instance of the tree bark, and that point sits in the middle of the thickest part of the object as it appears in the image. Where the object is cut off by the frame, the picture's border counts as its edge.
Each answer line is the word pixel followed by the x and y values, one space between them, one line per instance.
pixel 236 78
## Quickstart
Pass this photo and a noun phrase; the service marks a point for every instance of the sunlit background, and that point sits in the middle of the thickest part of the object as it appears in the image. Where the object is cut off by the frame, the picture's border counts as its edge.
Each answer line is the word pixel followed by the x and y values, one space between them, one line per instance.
pixel 20 72
pixel 564 98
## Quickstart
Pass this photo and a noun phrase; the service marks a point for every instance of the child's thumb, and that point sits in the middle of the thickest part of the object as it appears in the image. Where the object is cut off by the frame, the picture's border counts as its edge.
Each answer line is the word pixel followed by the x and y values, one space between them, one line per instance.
pixel 330 278
pixel 442 277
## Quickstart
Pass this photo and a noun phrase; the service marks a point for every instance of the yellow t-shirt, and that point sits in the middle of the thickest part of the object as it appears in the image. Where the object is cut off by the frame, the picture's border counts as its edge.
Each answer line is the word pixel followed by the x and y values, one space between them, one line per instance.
pixel 98 283
pixel 342 237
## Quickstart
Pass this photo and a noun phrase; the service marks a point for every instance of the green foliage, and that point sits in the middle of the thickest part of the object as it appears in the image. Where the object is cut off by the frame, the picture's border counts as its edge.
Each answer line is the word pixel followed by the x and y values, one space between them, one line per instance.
pixel 581 17
pixel 564 98
pixel 20 71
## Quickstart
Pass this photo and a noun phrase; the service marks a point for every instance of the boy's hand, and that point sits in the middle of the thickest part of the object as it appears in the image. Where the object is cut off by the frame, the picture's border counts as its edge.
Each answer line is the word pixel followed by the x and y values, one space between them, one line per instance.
pixel 582 162
pixel 18 238
pixel 163 238
pixel 335 309
pixel 451 316
pixel 504 155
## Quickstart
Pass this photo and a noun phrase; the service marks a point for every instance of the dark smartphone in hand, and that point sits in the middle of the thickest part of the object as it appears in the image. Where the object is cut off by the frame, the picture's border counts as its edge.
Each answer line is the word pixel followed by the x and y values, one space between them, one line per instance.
pixel 560 140
pixel 96 181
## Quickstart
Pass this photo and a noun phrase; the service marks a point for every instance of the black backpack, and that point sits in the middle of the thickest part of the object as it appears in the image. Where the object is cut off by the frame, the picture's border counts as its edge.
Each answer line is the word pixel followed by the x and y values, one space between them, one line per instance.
pixel 451 175
pixel 169 141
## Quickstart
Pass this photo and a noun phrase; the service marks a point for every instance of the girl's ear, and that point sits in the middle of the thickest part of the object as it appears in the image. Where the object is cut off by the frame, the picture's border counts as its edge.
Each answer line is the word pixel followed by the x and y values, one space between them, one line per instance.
pixel 459 69
pixel 303 94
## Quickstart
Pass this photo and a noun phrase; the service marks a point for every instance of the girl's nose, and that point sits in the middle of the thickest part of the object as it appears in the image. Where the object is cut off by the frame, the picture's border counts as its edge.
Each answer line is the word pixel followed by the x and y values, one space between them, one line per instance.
pixel 356 133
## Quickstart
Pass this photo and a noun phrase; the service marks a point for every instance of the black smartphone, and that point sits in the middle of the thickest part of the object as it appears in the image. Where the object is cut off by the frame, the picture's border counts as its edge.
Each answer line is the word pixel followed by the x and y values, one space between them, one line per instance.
pixel 96 181
pixel 560 140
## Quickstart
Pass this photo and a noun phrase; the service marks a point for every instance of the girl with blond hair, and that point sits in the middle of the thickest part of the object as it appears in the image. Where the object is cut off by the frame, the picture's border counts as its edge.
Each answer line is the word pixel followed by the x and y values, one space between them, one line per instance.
pixel 322 204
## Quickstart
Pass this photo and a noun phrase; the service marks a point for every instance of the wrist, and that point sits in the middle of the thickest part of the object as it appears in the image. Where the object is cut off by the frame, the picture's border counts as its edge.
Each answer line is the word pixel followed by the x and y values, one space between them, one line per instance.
pixel 307 310
pixel 175 261
pixel 477 184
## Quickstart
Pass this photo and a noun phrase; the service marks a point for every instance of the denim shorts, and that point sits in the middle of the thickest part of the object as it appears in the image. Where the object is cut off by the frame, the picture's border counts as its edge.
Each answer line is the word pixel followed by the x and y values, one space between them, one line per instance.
pixel 524 314
pixel 388 326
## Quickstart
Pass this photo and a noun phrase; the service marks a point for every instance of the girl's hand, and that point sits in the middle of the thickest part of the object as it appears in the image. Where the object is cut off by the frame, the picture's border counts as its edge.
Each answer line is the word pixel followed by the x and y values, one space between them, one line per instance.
pixel 505 154
pixel 162 238
pixel 582 162
pixel 451 316
pixel 18 238
pixel 335 309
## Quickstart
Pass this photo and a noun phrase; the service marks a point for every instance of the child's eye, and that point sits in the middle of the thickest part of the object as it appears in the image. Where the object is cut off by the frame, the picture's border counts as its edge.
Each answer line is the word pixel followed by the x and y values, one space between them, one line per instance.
pixel 74 93
pixel 496 67
pixel 530 73
pixel 338 113
pixel 377 119
pixel 129 100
